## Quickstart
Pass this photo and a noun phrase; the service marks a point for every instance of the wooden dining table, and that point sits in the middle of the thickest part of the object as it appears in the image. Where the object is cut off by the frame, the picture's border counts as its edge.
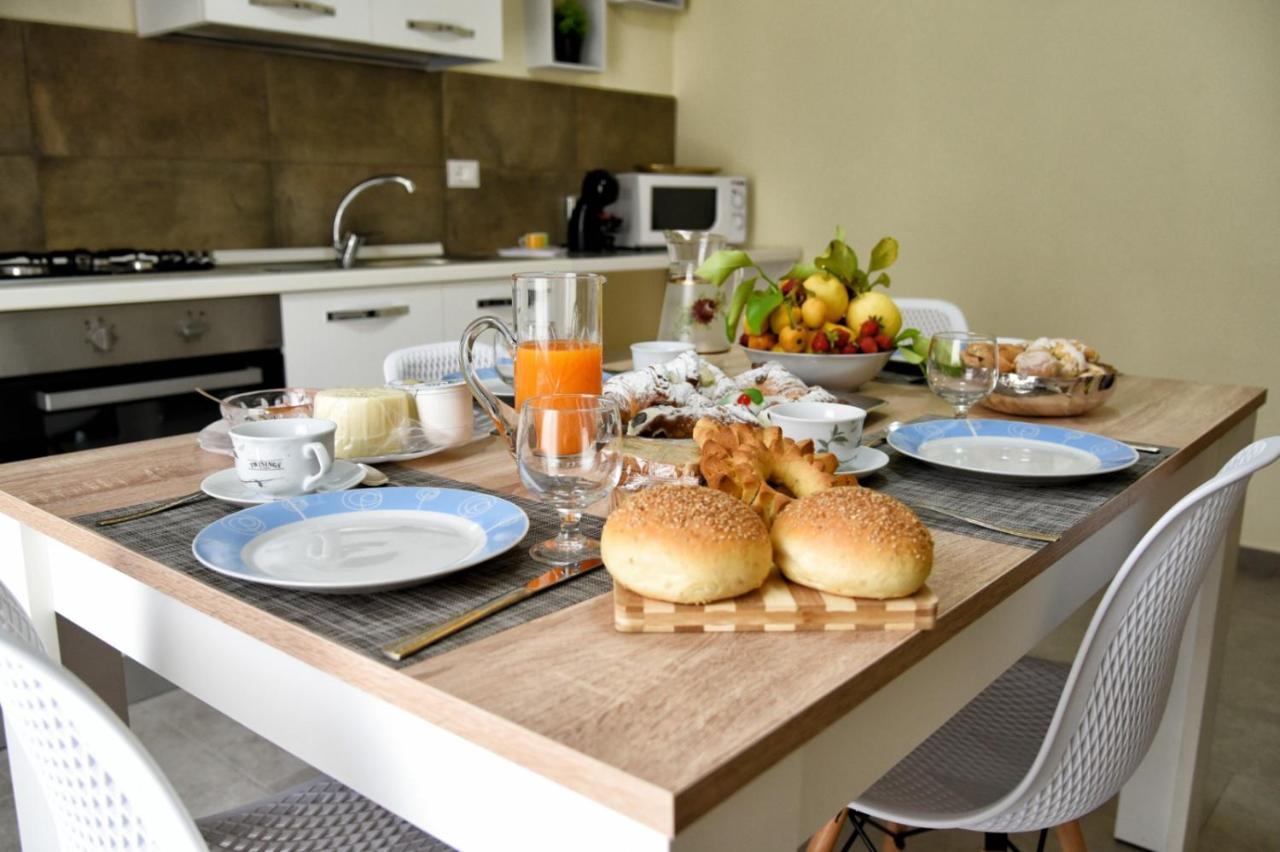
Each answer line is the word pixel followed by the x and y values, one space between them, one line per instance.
pixel 563 733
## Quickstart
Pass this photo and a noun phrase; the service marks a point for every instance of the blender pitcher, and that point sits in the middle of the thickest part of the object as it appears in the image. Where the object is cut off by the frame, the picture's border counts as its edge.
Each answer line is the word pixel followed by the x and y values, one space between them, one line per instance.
pixel 556 342
pixel 693 308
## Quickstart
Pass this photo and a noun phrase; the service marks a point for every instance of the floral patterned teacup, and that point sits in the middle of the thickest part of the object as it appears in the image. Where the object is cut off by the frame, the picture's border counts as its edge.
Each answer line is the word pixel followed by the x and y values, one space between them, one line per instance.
pixel 834 428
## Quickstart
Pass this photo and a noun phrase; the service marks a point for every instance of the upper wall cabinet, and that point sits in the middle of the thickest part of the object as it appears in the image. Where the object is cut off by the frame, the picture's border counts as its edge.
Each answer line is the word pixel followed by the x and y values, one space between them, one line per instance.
pixel 428 33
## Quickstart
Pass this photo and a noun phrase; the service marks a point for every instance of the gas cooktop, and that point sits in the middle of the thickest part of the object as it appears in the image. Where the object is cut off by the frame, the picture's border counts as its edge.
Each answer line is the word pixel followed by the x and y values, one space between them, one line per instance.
pixel 51 264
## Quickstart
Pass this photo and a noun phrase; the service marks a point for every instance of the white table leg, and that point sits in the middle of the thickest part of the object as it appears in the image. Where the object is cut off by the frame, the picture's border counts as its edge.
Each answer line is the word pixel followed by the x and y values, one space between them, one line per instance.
pixel 25 573
pixel 1162 806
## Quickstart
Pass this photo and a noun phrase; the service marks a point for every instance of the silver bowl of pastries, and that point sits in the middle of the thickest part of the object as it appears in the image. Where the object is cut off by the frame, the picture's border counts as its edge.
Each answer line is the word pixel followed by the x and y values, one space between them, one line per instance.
pixel 1050 377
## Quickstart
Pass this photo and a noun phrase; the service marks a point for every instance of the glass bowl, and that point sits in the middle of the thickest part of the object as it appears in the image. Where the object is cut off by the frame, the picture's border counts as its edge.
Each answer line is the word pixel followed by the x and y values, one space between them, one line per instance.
pixel 271 404
pixel 1033 396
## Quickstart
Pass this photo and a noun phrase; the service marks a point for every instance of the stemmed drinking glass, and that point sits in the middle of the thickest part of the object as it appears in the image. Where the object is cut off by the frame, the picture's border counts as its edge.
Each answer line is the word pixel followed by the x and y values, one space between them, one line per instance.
pixel 962 368
pixel 569 453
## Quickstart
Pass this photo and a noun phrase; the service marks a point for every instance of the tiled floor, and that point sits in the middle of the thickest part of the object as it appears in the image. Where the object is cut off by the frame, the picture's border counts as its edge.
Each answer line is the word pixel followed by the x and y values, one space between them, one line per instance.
pixel 214 763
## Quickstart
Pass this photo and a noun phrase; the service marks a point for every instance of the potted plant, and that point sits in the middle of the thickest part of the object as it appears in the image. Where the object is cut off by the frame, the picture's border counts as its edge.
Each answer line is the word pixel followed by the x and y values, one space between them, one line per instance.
pixel 570 20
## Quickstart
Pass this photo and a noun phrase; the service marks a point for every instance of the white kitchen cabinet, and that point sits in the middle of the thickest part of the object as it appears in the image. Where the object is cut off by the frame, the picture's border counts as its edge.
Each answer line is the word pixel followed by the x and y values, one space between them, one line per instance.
pixel 469 28
pixel 431 33
pixel 338 338
pixel 465 302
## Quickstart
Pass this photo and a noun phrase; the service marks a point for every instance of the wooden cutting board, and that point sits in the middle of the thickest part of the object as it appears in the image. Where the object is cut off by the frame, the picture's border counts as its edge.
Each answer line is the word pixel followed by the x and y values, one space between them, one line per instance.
pixel 777 606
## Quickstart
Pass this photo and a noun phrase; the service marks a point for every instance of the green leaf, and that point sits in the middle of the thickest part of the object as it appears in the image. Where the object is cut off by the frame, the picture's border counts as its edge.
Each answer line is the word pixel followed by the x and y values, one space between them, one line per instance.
pixel 884 254
pixel 754 395
pixel 859 283
pixel 840 233
pixel 759 306
pixel 800 271
pixel 722 264
pixel 882 280
pixel 839 260
pixel 739 302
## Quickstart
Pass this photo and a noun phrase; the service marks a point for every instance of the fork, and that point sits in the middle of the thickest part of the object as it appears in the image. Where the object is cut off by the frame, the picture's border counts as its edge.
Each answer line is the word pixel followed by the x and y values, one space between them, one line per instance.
pixel 1016 532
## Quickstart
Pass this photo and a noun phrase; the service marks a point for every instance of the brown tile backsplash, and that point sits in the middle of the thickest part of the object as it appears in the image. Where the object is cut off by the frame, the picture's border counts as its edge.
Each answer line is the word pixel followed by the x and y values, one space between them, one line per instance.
pixel 509 124
pixel 101 94
pixel 19 204
pixel 100 203
pixel 15 118
pixel 157 143
pixel 324 111
pixel 304 197
pixel 621 130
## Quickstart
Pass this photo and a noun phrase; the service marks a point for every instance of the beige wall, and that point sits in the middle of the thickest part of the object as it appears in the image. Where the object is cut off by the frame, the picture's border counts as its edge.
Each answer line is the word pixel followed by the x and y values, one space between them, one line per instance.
pixel 639 41
pixel 1090 168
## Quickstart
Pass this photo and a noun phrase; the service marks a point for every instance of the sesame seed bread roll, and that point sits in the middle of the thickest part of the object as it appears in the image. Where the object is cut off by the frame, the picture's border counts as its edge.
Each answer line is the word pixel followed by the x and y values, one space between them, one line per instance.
pixel 855 542
pixel 686 544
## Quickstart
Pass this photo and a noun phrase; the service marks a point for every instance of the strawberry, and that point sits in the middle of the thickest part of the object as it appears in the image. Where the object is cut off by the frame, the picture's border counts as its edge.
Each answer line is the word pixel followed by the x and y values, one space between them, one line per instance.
pixel 849 349
pixel 884 341
pixel 821 343
pixel 868 345
pixel 869 328
pixel 842 338
pixel 789 285
pixel 742 341
pixel 744 400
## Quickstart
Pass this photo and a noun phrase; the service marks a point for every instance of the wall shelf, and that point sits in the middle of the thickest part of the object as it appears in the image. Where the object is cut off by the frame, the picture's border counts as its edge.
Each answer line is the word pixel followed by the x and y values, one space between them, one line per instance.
pixel 540 42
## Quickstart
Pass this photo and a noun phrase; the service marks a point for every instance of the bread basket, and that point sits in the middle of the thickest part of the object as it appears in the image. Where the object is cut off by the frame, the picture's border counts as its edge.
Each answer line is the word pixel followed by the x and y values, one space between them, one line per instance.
pixel 1033 396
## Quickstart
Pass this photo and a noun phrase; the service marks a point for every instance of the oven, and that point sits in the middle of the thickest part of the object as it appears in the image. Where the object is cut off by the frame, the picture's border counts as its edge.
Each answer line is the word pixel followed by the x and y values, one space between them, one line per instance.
pixel 77 378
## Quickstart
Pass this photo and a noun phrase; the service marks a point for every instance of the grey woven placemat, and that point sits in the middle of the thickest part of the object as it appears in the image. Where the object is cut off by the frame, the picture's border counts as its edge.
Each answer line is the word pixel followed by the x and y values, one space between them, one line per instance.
pixel 1043 507
pixel 367 622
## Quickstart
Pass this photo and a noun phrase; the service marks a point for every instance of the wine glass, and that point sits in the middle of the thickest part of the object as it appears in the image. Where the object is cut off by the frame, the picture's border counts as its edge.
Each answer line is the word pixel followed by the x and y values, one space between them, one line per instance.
pixel 569 453
pixel 962 368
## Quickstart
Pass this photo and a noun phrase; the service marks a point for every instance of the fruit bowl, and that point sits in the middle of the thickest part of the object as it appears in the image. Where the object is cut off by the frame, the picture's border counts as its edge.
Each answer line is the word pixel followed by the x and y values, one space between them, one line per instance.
pixel 833 372
pixel 1033 396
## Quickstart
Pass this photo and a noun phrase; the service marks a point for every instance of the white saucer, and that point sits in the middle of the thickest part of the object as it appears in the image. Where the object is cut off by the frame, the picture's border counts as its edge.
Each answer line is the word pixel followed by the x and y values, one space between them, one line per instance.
pixel 865 460
pixel 226 485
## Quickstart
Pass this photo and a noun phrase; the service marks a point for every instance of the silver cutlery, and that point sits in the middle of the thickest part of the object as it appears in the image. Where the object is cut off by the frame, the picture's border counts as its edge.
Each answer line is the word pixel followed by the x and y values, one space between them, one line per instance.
pixel 875 439
pixel 1144 448
pixel 408 647
pixel 977 522
pixel 187 499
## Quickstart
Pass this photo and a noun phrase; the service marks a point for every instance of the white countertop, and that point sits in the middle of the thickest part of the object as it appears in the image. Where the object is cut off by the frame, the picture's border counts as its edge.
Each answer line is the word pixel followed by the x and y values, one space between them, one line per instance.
pixel 34 294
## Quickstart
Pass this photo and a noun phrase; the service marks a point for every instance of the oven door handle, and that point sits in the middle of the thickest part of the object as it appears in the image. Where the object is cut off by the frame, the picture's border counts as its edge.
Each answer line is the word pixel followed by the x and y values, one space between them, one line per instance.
pixel 54 401
pixel 367 313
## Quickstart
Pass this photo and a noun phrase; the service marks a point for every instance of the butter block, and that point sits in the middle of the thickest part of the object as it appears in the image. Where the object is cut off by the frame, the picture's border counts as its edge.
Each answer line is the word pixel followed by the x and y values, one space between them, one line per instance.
pixel 371 421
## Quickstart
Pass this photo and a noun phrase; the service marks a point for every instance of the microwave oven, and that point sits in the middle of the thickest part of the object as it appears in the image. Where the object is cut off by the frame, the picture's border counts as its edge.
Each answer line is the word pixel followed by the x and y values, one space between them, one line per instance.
pixel 649 204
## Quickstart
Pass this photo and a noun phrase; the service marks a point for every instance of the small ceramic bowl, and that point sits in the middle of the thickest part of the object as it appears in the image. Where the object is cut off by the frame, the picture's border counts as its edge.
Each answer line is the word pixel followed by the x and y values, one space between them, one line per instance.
pixel 650 352
pixel 832 426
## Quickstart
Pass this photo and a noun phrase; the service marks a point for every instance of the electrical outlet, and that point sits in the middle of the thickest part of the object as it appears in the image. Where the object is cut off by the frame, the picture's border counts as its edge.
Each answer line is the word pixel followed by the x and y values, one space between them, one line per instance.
pixel 462 174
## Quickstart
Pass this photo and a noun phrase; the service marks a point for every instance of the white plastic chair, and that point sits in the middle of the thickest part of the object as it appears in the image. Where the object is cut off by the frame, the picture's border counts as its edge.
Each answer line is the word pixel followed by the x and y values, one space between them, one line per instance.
pixel 432 361
pixel 1046 744
pixel 931 315
pixel 106 792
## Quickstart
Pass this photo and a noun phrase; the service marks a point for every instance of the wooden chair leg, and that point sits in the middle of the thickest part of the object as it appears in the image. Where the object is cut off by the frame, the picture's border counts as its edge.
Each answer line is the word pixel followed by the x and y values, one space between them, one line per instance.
pixel 824 839
pixel 1070 837
pixel 894 828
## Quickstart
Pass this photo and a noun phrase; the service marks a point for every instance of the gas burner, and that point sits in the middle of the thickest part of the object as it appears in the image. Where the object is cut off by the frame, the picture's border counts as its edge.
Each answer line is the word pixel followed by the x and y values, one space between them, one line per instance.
pixel 124 261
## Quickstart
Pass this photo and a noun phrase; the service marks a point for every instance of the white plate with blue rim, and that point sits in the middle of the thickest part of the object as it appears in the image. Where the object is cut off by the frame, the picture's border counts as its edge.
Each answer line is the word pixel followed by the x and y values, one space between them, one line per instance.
pixel 355 542
pixel 1007 449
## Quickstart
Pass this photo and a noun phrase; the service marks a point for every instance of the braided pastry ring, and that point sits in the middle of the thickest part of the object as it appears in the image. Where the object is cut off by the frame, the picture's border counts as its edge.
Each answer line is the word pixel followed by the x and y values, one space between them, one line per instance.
pixel 746 463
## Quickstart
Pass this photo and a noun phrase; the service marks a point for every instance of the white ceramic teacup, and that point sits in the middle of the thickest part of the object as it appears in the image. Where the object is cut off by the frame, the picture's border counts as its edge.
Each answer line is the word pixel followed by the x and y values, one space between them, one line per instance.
pixel 650 352
pixel 833 427
pixel 283 458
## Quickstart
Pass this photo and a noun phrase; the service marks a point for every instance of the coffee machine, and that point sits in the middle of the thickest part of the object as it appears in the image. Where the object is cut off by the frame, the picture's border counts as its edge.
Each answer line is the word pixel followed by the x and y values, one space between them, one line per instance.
pixel 591 227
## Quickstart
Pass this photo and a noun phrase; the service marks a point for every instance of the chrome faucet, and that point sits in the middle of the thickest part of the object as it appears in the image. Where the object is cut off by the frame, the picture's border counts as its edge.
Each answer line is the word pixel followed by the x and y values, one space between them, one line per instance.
pixel 346 245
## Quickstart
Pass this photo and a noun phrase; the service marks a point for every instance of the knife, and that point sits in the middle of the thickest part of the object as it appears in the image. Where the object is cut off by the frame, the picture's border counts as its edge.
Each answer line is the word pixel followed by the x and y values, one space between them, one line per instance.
pixel 408 647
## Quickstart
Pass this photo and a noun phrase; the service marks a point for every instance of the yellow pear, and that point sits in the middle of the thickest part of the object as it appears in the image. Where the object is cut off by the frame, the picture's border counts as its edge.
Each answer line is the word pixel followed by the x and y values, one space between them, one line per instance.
pixel 831 291
pixel 814 312
pixel 878 306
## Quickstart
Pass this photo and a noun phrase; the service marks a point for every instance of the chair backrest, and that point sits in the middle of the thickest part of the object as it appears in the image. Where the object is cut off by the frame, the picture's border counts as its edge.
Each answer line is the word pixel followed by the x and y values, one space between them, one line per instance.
pixel 1118 686
pixel 15 622
pixel 104 790
pixel 431 362
pixel 931 315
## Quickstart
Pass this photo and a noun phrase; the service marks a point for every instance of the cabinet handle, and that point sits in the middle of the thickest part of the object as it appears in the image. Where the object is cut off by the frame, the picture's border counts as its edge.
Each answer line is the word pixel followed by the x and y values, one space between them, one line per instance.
pixel 494 303
pixel 441 27
pixel 367 313
pixel 302 5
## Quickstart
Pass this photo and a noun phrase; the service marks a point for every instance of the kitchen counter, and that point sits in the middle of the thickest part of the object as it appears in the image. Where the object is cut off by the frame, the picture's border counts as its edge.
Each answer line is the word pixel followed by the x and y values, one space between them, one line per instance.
pixel 35 294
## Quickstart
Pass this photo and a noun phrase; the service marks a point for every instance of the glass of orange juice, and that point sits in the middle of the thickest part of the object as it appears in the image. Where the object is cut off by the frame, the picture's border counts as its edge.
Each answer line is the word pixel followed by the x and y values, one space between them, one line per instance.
pixel 556 341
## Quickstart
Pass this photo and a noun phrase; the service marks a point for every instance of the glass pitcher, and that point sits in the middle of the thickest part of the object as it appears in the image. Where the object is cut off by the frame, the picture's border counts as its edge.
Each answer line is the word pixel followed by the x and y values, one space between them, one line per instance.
pixel 556 342
pixel 693 308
